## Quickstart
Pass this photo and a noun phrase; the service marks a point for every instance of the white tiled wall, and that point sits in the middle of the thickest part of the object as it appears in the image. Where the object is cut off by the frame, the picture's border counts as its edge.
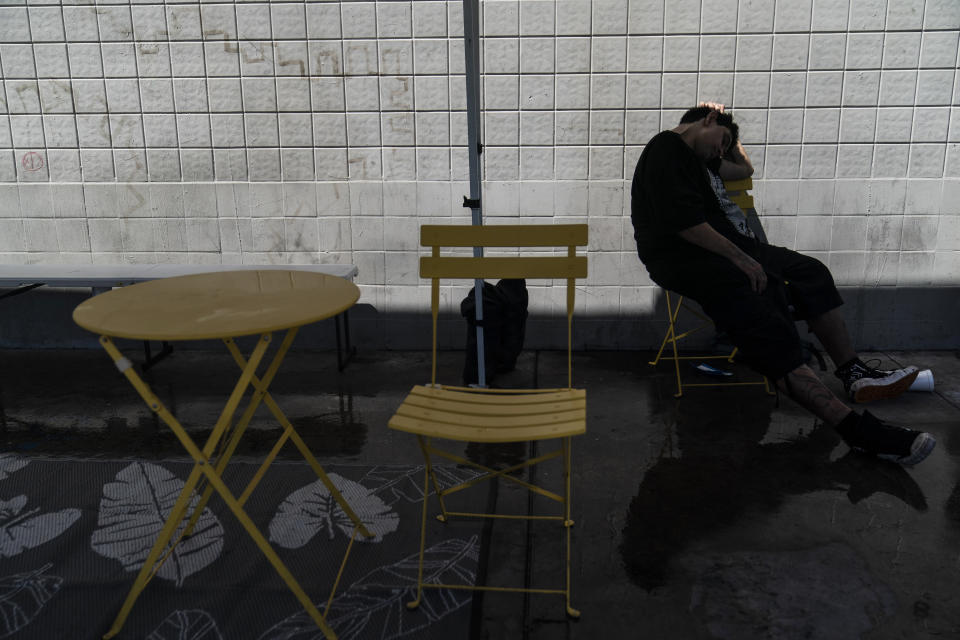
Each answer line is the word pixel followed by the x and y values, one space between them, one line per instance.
pixel 325 131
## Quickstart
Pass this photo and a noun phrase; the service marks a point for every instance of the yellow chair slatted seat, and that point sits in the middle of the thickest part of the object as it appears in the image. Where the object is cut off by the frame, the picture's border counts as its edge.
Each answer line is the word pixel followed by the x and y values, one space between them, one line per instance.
pixel 469 414
pixel 738 190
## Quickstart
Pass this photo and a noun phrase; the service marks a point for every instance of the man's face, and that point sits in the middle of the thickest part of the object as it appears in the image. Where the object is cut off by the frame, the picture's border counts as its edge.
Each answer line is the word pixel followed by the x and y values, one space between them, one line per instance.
pixel 712 140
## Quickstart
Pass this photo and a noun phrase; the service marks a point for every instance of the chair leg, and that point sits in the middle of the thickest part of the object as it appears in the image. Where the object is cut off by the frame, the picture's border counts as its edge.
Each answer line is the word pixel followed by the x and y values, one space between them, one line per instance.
pixel 568 522
pixel 676 362
pixel 663 343
pixel 429 477
pixel 671 337
pixel 672 313
pixel 425 448
pixel 671 319
pixel 766 386
pixel 423 530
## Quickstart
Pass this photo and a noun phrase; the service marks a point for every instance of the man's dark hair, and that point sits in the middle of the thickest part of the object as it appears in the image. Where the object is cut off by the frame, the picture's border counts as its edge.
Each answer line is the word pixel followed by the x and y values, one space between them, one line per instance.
pixel 723 119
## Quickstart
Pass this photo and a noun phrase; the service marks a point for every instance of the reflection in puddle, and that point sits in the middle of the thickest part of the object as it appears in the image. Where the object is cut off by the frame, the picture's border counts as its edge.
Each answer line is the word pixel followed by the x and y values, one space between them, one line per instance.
pixel 326 435
pixel 140 432
pixel 722 475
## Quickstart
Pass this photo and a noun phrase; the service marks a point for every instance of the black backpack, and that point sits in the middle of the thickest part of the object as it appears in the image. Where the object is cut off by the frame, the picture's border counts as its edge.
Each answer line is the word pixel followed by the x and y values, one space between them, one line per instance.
pixel 504 324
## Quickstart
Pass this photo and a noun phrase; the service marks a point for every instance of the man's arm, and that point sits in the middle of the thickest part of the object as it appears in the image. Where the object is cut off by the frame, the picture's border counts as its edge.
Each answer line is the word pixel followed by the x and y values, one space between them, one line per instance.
pixel 736 165
pixel 705 236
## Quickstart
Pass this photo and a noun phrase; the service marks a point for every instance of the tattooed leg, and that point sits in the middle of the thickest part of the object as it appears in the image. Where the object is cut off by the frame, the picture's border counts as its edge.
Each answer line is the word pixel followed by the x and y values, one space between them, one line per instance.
pixel 806 389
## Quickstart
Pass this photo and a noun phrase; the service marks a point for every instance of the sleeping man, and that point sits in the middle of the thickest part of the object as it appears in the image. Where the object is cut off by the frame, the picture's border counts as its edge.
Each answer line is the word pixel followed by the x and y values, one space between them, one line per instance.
pixel 752 290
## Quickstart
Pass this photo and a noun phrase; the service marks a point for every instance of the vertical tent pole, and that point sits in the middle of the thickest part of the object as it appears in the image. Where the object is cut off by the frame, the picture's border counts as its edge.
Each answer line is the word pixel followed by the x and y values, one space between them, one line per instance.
pixel 471 42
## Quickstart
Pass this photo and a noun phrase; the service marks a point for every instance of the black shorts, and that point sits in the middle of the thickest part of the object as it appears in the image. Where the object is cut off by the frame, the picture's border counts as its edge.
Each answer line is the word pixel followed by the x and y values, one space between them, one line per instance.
pixel 761 325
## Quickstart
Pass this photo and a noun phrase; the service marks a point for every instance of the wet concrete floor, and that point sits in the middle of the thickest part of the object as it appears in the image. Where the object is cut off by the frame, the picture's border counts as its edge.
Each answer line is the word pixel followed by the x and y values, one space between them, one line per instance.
pixel 725 514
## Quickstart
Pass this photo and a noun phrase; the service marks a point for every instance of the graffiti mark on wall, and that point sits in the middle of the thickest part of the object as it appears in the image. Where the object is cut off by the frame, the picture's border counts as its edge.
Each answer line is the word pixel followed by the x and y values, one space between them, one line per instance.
pixel 32 161
pixel 292 63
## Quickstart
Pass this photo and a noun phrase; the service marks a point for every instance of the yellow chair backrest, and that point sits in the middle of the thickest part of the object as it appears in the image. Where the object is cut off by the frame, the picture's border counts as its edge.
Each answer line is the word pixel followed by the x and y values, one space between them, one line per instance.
pixel 437 266
pixel 738 190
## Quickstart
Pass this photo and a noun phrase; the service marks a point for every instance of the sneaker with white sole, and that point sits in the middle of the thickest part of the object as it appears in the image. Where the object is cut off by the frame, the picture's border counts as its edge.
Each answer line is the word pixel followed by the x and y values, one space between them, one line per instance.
pixel 871 435
pixel 865 383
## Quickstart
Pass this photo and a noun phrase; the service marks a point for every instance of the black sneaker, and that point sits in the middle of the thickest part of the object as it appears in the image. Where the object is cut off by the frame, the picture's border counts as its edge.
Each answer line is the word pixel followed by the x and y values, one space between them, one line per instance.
pixel 865 384
pixel 885 441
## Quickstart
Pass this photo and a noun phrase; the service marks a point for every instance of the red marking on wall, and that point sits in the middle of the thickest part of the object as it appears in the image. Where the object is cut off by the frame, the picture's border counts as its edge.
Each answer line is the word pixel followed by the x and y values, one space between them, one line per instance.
pixel 31 161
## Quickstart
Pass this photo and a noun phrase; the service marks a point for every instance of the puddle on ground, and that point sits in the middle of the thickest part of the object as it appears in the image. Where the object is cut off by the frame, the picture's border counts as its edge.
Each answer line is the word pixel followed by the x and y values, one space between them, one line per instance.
pixel 817 594
pixel 717 473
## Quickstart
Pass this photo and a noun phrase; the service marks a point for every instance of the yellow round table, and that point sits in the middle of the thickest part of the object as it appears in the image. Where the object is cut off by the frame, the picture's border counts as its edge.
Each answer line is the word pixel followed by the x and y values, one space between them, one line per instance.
pixel 222 305
pixel 225 304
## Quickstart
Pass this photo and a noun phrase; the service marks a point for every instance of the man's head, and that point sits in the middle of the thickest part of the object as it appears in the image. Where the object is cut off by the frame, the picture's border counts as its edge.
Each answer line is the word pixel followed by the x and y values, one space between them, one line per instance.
pixel 710 133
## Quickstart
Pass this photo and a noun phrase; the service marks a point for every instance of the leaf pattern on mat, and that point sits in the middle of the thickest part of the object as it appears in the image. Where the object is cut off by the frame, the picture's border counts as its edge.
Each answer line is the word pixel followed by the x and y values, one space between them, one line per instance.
pixel 132 512
pixel 190 624
pixel 395 483
pixel 20 531
pixel 22 596
pixel 10 463
pixel 311 509
pixel 375 606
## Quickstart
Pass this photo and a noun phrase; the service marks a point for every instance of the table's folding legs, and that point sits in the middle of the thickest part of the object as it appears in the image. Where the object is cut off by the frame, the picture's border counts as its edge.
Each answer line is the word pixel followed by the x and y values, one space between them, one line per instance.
pixel 204 468
pixel 289 433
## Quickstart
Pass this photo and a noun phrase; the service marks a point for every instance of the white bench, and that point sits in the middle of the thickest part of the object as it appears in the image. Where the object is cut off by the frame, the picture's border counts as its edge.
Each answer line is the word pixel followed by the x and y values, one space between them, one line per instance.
pixel 20 278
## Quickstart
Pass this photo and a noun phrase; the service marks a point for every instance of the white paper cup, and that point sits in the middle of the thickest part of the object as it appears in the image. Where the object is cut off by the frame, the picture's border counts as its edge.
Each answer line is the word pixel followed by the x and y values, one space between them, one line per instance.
pixel 924 381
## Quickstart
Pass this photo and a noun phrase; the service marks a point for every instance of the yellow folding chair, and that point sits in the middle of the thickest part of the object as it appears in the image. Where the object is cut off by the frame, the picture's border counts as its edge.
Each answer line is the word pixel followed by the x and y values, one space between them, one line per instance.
pixel 493 415
pixel 672 337
pixel 738 190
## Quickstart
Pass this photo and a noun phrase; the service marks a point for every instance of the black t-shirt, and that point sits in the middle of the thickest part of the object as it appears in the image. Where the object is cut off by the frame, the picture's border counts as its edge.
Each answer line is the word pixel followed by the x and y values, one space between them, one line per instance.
pixel 671 192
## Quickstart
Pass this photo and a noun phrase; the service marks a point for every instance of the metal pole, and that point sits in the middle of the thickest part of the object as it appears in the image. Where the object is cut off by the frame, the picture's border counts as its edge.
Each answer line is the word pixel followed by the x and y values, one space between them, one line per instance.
pixel 471 45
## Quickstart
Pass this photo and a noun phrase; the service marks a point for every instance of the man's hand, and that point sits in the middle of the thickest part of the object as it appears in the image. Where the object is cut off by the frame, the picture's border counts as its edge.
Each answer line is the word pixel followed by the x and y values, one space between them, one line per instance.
pixel 735 165
pixel 703 235
pixel 716 106
pixel 755 272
